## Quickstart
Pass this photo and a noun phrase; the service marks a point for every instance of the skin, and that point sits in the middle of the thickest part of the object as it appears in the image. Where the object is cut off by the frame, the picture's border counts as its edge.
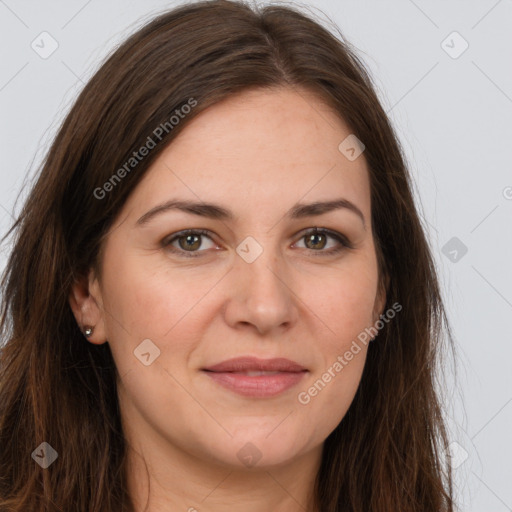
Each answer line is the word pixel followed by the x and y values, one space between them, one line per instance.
pixel 258 154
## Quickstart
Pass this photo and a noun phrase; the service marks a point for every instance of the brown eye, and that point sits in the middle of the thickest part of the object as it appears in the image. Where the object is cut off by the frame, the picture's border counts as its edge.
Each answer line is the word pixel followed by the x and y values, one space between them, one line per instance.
pixel 191 242
pixel 315 241
pixel 325 242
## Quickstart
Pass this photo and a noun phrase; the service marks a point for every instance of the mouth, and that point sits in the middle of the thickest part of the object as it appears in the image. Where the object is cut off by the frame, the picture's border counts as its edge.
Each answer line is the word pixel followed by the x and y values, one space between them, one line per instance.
pixel 254 373
pixel 257 378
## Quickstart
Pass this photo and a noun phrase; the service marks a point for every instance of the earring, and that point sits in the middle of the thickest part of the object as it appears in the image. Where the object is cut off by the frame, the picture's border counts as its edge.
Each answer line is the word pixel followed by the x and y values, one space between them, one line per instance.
pixel 88 331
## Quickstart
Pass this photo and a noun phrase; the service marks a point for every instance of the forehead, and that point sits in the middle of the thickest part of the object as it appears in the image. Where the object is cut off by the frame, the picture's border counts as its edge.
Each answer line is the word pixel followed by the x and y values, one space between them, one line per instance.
pixel 263 145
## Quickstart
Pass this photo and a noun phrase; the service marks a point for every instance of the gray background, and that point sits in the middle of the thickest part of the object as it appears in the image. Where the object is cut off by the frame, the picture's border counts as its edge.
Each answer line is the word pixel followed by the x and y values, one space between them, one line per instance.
pixel 453 114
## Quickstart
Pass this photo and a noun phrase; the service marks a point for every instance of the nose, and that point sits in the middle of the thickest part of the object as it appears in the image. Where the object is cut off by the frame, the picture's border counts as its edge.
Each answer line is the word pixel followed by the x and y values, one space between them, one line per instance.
pixel 261 295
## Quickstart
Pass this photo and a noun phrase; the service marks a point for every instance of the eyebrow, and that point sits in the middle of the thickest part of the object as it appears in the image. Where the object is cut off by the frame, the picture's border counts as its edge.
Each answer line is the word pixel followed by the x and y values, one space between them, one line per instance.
pixel 217 212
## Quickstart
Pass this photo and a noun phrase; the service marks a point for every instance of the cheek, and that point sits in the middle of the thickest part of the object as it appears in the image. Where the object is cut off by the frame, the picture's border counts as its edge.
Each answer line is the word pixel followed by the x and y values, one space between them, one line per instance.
pixel 327 395
pixel 147 299
pixel 346 305
pixel 346 301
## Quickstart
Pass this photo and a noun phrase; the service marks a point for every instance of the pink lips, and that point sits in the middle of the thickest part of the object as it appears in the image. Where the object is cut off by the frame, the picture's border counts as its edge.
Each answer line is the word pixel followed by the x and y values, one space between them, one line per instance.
pixel 257 378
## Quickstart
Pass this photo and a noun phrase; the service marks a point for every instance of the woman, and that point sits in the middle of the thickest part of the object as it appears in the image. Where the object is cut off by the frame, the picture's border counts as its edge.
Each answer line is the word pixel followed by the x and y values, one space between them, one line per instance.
pixel 220 293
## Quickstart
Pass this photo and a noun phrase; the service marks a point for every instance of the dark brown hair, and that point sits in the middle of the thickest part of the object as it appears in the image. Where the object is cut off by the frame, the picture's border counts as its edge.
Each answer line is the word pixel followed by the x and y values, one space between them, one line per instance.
pixel 387 452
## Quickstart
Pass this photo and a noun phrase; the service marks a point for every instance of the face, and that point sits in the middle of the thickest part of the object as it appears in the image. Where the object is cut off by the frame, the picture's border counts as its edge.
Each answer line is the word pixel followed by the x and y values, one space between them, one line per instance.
pixel 251 280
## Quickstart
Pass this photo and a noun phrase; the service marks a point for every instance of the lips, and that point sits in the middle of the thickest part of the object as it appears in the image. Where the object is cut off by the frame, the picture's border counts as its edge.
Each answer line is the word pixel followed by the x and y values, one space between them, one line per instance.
pixel 257 378
pixel 252 364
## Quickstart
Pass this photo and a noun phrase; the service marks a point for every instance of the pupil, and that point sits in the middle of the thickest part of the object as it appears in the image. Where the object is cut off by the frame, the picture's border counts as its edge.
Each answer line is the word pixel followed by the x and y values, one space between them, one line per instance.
pixel 314 237
pixel 190 242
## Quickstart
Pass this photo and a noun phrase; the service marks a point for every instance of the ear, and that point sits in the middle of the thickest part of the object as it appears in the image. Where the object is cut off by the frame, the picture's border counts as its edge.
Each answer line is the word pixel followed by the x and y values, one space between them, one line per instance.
pixel 381 297
pixel 87 305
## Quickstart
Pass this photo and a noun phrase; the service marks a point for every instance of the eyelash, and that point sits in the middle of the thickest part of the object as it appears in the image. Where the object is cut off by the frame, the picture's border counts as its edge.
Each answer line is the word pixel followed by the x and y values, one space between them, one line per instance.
pixel 344 242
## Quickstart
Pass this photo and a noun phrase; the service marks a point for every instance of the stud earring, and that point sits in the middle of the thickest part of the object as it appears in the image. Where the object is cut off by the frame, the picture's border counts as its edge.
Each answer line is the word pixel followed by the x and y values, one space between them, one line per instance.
pixel 88 331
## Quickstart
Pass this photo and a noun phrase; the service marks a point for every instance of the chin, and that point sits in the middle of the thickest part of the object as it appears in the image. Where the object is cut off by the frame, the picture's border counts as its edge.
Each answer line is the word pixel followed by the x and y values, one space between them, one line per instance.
pixel 258 449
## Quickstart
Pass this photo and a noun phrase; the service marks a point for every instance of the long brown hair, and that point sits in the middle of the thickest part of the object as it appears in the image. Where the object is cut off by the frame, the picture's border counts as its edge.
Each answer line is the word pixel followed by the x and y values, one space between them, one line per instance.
pixel 55 387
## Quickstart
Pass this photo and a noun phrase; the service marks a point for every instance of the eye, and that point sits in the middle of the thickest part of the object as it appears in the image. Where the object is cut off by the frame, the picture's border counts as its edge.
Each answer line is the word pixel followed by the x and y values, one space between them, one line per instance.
pixel 317 239
pixel 188 242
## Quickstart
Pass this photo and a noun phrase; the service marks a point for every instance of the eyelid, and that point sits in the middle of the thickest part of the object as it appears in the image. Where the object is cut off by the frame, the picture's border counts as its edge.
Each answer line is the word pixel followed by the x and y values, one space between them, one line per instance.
pixel 167 241
pixel 339 237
